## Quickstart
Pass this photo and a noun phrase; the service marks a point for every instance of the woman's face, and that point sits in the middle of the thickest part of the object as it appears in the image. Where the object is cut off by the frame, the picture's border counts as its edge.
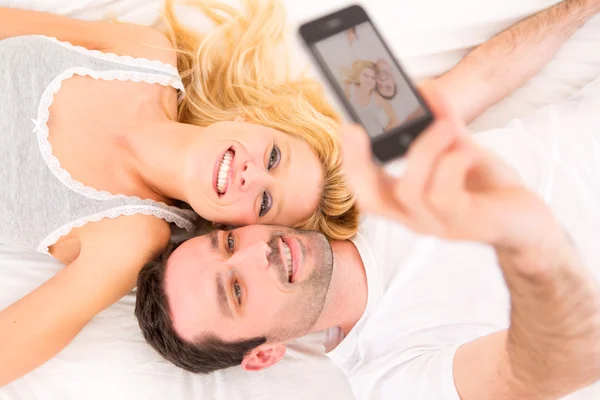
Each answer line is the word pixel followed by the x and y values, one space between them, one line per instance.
pixel 367 78
pixel 242 173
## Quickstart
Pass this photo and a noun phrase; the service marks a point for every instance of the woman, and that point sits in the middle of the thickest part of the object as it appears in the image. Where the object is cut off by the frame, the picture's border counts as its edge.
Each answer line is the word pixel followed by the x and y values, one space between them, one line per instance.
pixel 100 137
pixel 375 113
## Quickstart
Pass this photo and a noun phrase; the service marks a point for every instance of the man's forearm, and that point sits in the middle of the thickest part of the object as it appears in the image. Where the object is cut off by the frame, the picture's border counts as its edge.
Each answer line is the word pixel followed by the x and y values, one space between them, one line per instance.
pixel 553 343
pixel 503 64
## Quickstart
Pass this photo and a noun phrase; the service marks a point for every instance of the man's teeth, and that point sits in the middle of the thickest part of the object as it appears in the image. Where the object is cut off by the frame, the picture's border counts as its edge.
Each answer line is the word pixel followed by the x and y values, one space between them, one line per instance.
pixel 288 260
pixel 223 174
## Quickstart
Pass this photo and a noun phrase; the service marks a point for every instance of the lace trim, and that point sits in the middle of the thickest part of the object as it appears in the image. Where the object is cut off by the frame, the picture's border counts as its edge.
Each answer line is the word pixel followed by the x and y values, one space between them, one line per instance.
pixel 126 60
pixel 112 213
pixel 41 128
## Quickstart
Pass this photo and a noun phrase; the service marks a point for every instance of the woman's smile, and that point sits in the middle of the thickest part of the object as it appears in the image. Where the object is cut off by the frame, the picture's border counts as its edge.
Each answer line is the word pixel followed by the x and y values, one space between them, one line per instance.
pixel 224 172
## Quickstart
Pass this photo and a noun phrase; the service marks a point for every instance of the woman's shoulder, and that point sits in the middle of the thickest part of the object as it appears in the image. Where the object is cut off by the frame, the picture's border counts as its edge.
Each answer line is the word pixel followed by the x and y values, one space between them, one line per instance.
pixel 141 233
pixel 141 42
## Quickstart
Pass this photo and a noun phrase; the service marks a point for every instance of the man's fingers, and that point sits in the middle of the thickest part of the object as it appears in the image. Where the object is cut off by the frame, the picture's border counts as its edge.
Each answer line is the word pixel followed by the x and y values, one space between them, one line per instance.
pixel 355 143
pixel 421 162
pixel 492 171
pixel 364 177
pixel 447 193
pixel 423 155
pixel 440 106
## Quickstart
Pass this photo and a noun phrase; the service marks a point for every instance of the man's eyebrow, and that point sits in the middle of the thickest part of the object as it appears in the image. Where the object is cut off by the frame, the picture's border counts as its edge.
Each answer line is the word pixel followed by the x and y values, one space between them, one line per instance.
pixel 222 298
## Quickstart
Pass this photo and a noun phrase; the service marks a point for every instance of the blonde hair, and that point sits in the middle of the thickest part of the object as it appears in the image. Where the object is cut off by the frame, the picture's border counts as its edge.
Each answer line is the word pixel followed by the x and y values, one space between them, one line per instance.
pixel 352 75
pixel 241 68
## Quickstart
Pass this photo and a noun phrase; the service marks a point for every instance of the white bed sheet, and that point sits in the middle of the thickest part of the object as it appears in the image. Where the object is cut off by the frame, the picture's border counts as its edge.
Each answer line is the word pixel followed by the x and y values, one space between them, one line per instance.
pixel 109 358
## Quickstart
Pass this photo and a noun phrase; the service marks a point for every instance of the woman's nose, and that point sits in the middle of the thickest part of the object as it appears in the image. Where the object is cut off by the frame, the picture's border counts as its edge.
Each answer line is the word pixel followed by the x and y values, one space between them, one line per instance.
pixel 252 176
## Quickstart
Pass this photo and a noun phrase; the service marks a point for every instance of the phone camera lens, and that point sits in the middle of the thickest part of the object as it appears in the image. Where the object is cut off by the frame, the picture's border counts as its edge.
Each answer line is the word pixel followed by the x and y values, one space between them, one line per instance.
pixel 405 139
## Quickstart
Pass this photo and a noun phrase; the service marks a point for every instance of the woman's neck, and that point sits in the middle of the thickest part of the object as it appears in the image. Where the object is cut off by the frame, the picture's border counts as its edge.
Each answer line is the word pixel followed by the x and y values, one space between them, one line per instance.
pixel 363 93
pixel 157 152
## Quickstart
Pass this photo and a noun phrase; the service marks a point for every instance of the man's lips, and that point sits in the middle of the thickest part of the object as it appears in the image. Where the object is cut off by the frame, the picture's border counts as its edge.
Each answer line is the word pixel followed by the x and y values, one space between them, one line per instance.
pixel 296 253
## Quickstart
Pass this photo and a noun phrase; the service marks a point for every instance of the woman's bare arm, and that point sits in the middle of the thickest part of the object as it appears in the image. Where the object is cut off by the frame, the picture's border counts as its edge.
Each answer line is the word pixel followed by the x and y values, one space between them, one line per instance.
pixel 38 326
pixel 504 63
pixel 121 38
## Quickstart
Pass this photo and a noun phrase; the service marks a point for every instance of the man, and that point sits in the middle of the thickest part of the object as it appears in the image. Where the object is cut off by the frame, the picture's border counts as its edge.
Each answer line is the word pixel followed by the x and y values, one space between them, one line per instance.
pixel 386 85
pixel 413 316
pixel 407 316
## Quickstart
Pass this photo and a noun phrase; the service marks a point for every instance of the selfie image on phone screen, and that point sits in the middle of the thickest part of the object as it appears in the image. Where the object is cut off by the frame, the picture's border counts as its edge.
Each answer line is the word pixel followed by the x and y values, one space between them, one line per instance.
pixel 370 80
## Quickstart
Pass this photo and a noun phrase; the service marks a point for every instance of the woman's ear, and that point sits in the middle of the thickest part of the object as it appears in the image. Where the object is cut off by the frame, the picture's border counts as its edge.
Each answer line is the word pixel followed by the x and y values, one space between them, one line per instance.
pixel 239 118
pixel 263 357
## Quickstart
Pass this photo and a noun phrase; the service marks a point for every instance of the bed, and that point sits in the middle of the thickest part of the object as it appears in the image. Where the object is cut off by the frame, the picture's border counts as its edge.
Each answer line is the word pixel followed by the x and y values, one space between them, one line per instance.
pixel 109 359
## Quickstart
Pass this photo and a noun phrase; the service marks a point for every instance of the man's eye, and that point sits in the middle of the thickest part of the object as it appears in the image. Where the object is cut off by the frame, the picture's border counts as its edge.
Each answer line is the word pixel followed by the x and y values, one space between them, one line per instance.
pixel 230 242
pixel 274 157
pixel 237 290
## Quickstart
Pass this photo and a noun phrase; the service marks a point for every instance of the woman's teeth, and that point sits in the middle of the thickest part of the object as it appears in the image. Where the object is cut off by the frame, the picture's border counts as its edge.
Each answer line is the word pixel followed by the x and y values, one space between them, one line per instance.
pixel 223 174
pixel 288 260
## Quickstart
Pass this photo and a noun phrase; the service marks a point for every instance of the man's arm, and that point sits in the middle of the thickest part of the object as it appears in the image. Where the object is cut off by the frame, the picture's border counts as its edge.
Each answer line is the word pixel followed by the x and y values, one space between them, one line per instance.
pixel 552 346
pixel 453 189
pixel 507 61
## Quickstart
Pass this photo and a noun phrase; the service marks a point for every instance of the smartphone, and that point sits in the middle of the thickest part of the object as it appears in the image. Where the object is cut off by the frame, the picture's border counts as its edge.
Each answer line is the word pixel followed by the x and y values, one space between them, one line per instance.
pixel 367 80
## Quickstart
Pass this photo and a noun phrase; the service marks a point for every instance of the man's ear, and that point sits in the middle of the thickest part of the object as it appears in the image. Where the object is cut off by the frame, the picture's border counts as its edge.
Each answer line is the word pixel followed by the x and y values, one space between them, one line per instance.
pixel 263 357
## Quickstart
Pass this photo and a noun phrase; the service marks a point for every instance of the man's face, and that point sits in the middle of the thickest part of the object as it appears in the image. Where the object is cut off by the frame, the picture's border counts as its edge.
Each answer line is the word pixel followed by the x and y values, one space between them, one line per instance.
pixel 386 86
pixel 237 284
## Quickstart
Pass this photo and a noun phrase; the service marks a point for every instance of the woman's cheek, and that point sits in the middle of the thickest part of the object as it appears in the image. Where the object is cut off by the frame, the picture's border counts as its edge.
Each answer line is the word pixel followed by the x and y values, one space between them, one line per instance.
pixel 246 212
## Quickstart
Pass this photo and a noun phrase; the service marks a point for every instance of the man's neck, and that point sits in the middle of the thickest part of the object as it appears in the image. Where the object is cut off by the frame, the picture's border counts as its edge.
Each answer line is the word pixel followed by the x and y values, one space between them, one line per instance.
pixel 348 291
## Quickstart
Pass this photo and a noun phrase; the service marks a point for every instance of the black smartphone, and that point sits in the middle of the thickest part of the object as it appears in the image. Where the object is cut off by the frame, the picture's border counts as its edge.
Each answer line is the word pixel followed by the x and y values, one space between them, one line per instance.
pixel 367 79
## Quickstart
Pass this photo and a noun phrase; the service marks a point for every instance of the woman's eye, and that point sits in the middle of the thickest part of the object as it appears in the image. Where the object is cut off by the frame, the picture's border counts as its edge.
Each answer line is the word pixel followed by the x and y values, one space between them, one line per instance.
pixel 274 157
pixel 237 289
pixel 265 205
pixel 230 242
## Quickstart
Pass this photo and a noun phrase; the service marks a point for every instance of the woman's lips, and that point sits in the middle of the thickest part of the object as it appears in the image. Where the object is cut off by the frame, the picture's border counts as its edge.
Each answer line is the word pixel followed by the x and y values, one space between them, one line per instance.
pixel 217 170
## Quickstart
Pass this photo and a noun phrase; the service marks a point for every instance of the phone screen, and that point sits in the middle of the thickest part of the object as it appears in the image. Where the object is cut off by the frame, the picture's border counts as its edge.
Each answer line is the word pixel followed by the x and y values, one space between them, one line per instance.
pixel 370 79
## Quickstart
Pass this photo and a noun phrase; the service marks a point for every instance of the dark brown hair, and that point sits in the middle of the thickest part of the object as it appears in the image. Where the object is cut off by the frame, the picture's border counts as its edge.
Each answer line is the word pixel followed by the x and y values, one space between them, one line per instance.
pixel 205 354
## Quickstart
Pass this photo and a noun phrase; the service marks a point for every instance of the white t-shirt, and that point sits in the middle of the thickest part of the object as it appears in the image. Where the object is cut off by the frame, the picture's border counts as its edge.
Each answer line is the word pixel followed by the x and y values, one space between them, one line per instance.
pixel 427 296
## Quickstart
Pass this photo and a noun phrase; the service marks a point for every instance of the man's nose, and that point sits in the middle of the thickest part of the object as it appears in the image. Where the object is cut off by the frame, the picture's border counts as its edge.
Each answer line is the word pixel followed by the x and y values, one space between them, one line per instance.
pixel 255 255
pixel 252 176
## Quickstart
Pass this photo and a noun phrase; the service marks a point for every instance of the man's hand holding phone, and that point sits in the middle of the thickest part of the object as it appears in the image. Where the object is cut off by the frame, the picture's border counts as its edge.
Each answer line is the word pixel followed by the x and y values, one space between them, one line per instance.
pixel 452 188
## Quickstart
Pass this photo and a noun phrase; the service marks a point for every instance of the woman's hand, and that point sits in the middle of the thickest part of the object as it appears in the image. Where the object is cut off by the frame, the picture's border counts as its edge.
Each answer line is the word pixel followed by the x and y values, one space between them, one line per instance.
pixel 450 188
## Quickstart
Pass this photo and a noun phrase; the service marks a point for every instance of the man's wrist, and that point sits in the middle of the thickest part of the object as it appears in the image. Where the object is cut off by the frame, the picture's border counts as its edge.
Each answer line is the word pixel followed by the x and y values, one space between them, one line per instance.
pixel 583 8
pixel 542 258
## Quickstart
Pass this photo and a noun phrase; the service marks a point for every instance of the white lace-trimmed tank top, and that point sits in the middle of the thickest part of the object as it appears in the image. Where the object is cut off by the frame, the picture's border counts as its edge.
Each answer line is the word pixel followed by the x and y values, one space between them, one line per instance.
pixel 39 201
